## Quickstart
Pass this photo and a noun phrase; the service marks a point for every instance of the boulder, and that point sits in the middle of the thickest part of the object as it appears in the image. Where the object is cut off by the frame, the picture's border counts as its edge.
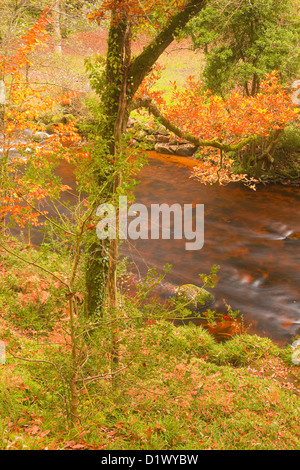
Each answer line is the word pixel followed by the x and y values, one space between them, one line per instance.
pixel 68 118
pixel 162 130
pixel 50 129
pixel 163 148
pixel 174 149
pixel 40 136
pixel 133 143
pixel 28 132
pixel 195 298
pixel 12 153
pixel 130 123
pixel 164 139
pixel 186 150
pixel 140 135
pixel 57 118
pixel 174 140
pixel 150 139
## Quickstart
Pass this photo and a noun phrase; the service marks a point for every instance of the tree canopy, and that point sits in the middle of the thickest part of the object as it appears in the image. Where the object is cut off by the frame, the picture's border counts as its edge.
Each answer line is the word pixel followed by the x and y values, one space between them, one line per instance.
pixel 244 40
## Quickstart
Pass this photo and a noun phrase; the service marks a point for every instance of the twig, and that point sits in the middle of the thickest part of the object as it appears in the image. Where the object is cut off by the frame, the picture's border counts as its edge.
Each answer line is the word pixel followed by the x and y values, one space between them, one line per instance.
pixel 88 380
pixel 36 265
pixel 47 218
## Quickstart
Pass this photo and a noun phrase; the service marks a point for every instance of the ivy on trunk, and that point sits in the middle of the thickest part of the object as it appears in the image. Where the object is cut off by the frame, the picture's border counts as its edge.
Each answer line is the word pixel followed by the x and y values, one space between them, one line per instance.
pixel 122 78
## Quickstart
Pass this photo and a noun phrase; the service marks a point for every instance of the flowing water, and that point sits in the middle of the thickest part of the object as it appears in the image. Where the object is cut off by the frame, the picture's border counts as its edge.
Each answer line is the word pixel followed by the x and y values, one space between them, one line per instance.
pixel 251 235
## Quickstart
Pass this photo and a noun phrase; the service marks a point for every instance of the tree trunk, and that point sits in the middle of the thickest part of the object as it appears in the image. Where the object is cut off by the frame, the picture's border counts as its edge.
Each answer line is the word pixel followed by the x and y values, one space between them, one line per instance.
pixel 123 78
pixel 102 259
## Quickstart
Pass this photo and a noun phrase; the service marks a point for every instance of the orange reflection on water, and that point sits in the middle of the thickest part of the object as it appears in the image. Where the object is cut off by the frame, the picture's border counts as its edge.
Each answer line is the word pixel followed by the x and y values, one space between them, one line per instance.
pixel 248 234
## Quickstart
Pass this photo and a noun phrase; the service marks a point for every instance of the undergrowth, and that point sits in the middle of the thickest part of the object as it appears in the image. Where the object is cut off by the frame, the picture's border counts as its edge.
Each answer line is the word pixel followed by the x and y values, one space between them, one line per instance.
pixel 179 388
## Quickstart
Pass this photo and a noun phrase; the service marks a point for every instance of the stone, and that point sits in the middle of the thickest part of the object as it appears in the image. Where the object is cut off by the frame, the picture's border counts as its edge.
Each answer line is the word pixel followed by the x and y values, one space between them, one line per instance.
pixel 162 130
pixel 174 149
pixel 133 143
pixel 12 152
pixel 150 139
pixel 28 132
pixel 162 139
pixel 186 150
pixel 50 129
pixel 140 135
pixel 195 298
pixel 130 123
pixel 174 141
pixel 56 119
pixel 163 148
pixel 40 136
pixel 69 118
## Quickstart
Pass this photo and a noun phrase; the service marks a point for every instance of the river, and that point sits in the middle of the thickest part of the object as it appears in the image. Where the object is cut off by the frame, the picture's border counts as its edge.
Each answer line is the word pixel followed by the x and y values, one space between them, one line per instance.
pixel 249 234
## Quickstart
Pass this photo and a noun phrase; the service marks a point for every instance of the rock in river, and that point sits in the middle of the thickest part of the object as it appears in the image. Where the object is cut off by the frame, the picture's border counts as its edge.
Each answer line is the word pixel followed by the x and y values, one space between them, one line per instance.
pixel 194 298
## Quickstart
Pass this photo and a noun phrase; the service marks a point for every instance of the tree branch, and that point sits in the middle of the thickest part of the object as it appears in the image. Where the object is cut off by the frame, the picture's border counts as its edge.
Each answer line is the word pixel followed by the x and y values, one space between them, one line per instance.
pixel 31 263
pixel 142 64
pixel 148 104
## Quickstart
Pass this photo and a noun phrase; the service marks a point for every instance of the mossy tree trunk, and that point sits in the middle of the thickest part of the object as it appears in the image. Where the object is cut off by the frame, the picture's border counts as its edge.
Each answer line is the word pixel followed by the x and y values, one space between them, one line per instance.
pixel 122 79
pixel 100 251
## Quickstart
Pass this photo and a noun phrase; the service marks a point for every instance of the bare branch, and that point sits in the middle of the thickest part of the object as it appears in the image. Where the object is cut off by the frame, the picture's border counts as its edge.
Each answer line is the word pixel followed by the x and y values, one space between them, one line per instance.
pixel 31 263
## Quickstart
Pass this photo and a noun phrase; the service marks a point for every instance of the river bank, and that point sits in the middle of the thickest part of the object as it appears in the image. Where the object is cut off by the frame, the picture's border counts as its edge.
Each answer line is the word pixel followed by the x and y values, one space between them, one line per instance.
pixel 181 390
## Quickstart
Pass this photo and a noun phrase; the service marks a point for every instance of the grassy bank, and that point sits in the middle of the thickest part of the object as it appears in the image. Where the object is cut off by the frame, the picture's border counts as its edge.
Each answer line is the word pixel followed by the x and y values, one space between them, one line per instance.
pixel 178 388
